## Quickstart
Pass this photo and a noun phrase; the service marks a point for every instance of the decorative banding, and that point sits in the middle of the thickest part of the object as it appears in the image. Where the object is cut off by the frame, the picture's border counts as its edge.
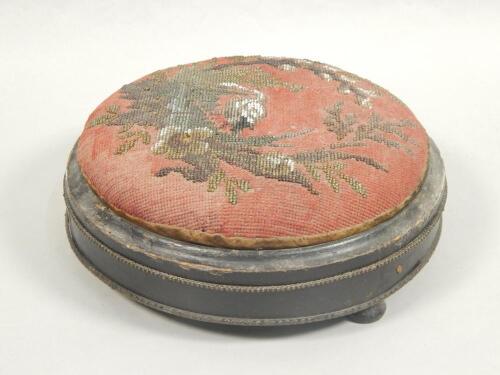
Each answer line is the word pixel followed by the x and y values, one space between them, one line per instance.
pixel 267 288
pixel 245 321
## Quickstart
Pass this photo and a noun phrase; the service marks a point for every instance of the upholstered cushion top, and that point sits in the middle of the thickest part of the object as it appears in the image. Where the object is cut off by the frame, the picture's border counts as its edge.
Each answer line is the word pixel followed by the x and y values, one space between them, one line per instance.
pixel 254 153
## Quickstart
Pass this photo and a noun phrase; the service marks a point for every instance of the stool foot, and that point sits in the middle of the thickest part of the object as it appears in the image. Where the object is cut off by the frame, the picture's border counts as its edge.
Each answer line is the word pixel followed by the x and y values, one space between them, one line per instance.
pixel 370 315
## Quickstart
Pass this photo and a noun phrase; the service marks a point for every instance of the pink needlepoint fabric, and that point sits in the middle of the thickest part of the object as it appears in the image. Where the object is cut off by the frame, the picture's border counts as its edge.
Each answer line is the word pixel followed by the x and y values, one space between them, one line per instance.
pixel 254 152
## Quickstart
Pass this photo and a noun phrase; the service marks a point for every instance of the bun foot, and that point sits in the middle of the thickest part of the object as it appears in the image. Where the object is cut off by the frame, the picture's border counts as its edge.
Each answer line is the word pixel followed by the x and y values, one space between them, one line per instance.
pixel 369 315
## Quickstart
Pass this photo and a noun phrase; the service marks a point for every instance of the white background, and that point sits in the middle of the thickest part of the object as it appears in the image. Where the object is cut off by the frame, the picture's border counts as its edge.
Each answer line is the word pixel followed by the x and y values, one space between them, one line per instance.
pixel 59 59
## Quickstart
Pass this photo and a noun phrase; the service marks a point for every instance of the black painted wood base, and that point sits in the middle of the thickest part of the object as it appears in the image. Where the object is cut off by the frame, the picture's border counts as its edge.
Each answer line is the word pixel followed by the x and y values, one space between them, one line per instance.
pixel 346 278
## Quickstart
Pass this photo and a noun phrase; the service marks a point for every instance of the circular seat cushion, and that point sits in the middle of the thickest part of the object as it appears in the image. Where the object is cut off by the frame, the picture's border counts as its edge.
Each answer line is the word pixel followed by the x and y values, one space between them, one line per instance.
pixel 254 153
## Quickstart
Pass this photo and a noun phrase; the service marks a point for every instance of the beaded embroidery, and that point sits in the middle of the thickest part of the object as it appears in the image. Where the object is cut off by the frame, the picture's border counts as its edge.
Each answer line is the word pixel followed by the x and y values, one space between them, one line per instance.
pixel 254 152
pixel 183 107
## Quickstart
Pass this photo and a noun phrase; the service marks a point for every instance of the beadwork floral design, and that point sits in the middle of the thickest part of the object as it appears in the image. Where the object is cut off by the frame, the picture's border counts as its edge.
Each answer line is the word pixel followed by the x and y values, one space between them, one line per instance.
pixel 183 106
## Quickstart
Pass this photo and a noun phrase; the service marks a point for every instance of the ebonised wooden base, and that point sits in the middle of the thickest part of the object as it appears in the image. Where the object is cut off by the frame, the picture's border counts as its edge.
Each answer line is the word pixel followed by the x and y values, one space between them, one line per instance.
pixel 346 278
